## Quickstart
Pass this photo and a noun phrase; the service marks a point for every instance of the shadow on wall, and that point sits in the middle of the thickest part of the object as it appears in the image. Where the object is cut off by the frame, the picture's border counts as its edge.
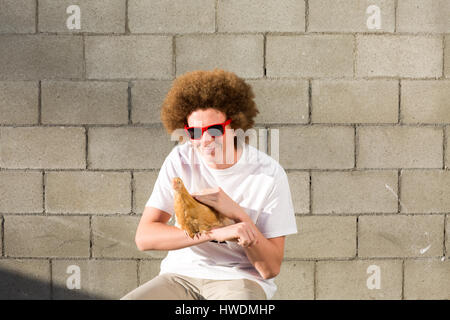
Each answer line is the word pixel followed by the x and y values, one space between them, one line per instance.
pixel 15 286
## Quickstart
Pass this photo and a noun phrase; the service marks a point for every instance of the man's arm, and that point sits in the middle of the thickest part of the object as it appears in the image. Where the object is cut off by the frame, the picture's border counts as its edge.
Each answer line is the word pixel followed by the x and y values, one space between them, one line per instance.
pixel 266 255
pixel 153 233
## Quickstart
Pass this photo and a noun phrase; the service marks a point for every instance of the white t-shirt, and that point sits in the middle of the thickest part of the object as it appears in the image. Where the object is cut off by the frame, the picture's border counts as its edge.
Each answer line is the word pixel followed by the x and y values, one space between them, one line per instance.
pixel 256 182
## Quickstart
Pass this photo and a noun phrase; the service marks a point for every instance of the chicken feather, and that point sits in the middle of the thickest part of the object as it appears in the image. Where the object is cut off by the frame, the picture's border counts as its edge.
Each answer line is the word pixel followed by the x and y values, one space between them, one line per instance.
pixel 193 216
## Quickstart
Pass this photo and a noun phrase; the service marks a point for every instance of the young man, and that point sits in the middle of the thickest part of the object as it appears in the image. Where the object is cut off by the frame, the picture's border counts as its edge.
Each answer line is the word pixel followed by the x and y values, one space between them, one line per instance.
pixel 238 261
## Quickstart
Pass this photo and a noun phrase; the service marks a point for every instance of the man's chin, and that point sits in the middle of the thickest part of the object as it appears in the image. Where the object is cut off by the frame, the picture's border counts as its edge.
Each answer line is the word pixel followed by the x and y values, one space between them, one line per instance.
pixel 210 156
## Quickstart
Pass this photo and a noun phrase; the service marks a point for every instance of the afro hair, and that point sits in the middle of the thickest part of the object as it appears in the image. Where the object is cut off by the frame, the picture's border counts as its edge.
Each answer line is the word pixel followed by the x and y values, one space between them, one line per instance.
pixel 218 89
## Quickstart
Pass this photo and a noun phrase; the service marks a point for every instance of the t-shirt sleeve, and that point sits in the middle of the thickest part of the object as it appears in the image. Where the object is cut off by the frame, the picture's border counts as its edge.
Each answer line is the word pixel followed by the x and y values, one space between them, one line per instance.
pixel 277 218
pixel 162 196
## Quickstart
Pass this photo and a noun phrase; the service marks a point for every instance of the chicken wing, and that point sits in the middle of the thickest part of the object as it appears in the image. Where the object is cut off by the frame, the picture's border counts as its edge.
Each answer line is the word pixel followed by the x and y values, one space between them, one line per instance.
pixel 192 216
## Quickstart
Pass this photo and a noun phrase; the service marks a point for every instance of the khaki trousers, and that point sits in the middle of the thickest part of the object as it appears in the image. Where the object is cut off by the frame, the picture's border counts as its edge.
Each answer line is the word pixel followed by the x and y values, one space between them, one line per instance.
pixel 172 286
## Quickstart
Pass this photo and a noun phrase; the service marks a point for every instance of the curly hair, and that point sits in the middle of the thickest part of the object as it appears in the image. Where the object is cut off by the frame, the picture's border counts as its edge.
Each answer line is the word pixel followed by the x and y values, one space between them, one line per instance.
pixel 217 89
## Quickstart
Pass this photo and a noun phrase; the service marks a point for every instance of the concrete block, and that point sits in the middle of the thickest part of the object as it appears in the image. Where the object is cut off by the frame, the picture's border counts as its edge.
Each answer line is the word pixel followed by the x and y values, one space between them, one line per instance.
pixel 171 17
pixel 113 237
pixel 354 192
pixel 147 98
pixel 143 187
pixel 21 192
pixel 18 16
pixel 46 236
pixel 42 148
pixel 295 281
pixel 299 186
pixel 425 101
pixel 315 147
pixel 130 57
pixel 241 54
pixel 128 148
pixel 24 279
pixel 354 101
pixel 106 16
pixel 18 102
pixel 322 237
pixel 399 147
pixel 425 191
pixel 254 16
pixel 87 102
pixel 400 236
pixel 403 56
pixel 88 192
pixel 309 56
pixel 38 57
pixel 358 280
pixel 423 16
pixel 350 15
pixel 99 279
pixel 281 101
pixel 427 279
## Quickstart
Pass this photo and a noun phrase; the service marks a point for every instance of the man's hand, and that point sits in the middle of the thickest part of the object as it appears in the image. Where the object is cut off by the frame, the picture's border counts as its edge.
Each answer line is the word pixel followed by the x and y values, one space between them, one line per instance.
pixel 242 231
pixel 219 200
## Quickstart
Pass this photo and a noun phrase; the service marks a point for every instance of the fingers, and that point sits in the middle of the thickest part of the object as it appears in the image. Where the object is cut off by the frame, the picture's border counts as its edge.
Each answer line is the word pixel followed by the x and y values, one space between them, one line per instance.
pixel 187 234
pixel 205 197
pixel 253 235
pixel 204 200
pixel 241 232
pixel 247 236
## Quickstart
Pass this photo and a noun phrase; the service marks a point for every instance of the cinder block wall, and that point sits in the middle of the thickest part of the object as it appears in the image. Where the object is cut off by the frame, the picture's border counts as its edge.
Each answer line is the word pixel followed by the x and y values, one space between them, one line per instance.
pixel 363 118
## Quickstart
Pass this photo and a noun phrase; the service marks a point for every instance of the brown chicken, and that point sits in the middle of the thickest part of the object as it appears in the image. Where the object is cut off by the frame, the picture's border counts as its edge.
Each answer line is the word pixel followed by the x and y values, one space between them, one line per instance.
pixel 192 216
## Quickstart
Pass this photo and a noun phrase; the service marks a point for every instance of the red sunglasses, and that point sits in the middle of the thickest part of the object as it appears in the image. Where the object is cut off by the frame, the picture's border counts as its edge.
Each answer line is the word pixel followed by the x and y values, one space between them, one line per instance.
pixel 215 130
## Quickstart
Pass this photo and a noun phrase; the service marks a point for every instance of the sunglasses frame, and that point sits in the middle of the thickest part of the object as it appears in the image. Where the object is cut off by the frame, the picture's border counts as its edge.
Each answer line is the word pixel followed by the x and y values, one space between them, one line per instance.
pixel 223 124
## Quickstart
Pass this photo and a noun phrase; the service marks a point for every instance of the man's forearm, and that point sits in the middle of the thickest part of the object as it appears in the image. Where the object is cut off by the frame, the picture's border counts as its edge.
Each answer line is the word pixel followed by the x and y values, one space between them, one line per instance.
pixel 264 255
pixel 160 236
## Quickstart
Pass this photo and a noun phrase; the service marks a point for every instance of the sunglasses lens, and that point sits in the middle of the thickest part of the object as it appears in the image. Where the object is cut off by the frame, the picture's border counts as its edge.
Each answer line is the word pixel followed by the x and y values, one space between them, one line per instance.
pixel 195 133
pixel 215 131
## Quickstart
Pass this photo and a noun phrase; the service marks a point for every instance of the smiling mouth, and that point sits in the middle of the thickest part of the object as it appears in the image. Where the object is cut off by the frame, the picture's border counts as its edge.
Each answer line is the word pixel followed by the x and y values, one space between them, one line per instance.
pixel 211 148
